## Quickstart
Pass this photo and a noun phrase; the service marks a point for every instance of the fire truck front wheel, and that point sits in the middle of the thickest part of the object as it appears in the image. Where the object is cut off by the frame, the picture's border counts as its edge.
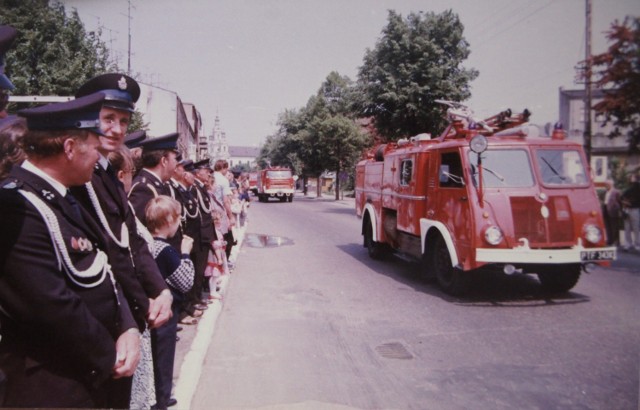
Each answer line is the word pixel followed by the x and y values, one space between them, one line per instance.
pixel 452 280
pixel 559 282
pixel 374 249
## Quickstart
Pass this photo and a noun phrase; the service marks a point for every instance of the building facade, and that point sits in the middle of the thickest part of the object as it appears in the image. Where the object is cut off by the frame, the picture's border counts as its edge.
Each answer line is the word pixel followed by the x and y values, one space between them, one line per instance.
pixel 163 113
pixel 604 150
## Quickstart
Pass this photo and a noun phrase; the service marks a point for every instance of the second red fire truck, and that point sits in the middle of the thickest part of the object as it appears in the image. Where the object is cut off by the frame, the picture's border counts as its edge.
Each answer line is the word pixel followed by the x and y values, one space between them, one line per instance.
pixel 275 183
pixel 484 194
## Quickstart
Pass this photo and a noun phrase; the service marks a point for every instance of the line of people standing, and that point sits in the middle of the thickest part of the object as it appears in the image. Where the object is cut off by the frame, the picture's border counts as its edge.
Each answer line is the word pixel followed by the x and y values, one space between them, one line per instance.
pixel 89 295
pixel 622 209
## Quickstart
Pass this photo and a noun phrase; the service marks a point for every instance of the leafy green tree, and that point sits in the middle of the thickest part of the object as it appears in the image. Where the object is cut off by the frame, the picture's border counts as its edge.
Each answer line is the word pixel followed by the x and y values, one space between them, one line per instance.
pixel 334 141
pixel 618 71
pixel 53 53
pixel 281 148
pixel 321 136
pixel 137 122
pixel 416 61
pixel 343 143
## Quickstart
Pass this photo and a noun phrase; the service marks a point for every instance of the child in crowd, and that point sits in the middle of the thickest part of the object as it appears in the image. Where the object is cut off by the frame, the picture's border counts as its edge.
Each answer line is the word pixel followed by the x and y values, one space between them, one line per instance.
pixel 163 220
pixel 217 262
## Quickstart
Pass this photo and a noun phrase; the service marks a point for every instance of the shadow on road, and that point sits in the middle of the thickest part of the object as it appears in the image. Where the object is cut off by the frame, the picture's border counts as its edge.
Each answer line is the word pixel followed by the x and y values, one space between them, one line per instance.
pixel 486 288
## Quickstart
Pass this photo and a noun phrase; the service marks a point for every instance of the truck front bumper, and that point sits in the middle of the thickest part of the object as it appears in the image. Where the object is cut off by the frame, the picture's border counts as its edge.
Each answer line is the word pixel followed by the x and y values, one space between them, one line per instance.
pixel 524 254
pixel 278 192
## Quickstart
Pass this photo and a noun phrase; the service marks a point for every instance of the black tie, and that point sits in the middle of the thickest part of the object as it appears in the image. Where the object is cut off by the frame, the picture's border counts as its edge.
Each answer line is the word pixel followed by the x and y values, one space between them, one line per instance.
pixel 75 206
pixel 112 174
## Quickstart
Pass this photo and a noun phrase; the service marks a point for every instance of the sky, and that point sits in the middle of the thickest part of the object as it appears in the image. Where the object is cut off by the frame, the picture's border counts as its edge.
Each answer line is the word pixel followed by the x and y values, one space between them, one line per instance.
pixel 249 60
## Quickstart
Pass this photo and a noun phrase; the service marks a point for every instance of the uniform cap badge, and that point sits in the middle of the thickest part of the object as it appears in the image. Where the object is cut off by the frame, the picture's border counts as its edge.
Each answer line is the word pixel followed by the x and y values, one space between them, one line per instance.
pixel 122 83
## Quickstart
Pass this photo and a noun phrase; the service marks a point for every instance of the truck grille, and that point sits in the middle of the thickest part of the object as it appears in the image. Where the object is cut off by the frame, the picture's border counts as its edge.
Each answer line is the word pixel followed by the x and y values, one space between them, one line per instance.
pixel 556 230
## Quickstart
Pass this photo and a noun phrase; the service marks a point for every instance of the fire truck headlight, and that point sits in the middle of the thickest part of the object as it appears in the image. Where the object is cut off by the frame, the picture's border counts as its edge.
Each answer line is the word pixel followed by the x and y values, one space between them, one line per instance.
pixel 493 235
pixel 592 233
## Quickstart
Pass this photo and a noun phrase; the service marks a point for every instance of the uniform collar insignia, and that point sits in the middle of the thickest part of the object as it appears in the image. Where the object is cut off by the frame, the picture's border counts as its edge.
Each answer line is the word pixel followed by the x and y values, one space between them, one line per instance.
pixel 48 195
pixel 122 83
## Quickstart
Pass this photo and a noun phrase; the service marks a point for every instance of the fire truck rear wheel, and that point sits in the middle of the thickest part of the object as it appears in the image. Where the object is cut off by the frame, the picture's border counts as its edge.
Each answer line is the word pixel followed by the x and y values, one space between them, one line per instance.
pixel 452 280
pixel 559 282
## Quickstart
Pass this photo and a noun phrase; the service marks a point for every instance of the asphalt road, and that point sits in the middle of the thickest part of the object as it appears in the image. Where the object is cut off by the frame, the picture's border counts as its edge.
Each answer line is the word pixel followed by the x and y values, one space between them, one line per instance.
pixel 309 321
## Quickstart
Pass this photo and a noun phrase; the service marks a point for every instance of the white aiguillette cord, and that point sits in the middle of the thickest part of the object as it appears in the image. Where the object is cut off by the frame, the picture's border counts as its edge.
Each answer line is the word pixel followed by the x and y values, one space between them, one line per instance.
pixel 98 269
pixel 123 242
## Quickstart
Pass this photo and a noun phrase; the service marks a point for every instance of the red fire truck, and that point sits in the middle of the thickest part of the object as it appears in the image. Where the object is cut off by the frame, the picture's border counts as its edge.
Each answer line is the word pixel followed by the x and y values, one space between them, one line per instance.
pixel 485 194
pixel 275 183
pixel 253 182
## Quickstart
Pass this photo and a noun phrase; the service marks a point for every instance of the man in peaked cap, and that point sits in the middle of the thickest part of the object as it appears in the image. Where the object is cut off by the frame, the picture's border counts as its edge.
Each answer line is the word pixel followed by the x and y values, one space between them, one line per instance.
pixel 200 191
pixel 159 160
pixel 134 139
pixel 121 91
pixel 7 35
pixel 67 332
pixel 105 199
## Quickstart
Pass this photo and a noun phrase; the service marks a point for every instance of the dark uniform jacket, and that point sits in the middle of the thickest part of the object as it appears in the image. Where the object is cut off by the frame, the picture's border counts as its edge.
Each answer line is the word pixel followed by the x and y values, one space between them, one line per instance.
pixel 58 330
pixel 134 266
pixel 207 231
pixel 176 191
pixel 146 186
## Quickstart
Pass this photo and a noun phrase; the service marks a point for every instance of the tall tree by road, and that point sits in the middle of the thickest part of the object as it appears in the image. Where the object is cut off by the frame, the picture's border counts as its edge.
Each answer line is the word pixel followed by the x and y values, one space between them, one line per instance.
pixel 416 61
pixel 618 72
pixel 319 137
pixel 53 53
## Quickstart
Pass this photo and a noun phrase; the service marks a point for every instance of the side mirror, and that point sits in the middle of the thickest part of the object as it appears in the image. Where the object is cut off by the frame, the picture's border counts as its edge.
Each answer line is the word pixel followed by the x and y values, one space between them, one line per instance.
pixel 444 173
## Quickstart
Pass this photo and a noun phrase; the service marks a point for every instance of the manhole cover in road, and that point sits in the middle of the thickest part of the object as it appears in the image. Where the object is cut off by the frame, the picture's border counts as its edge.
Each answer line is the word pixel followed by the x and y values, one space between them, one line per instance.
pixel 394 350
pixel 255 240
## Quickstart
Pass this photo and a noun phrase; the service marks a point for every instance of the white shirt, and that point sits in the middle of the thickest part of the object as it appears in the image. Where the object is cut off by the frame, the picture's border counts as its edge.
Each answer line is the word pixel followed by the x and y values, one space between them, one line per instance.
pixel 58 186
pixel 222 181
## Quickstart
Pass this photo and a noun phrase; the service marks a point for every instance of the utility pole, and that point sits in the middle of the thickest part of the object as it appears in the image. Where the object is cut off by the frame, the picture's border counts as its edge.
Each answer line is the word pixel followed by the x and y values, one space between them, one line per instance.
pixel 129 48
pixel 587 100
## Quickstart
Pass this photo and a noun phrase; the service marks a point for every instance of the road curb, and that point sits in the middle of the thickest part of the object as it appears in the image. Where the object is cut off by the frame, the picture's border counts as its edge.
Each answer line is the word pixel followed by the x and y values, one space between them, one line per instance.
pixel 191 366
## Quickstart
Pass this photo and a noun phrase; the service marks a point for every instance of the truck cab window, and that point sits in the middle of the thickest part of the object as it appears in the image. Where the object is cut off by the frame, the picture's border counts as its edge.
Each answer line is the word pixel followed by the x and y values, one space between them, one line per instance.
pixel 406 171
pixel 451 175
pixel 559 167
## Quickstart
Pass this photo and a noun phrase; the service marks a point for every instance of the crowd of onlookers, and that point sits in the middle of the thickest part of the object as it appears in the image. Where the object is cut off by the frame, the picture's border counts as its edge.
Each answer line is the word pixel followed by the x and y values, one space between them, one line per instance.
pixel 621 209
pixel 110 242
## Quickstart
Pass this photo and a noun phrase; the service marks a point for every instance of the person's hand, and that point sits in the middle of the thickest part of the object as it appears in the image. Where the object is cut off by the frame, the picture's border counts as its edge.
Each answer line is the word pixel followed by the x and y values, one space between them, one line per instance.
pixel 127 353
pixel 186 245
pixel 160 309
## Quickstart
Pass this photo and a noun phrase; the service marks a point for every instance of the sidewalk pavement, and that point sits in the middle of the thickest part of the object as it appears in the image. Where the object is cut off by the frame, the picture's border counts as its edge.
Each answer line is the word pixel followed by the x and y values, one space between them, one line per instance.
pixel 194 341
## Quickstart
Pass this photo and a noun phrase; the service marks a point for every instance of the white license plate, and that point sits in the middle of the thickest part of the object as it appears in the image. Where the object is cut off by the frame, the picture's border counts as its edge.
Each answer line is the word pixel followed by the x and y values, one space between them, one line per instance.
pixel 607 255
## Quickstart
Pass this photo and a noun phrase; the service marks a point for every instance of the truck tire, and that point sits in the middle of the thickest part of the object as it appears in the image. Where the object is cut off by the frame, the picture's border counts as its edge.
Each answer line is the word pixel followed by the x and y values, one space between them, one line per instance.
pixel 374 249
pixel 560 282
pixel 290 199
pixel 283 199
pixel 452 280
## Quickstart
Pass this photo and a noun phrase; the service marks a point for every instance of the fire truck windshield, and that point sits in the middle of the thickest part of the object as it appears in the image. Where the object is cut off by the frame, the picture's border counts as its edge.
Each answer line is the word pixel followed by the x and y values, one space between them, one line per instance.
pixel 503 168
pixel 279 174
pixel 561 167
